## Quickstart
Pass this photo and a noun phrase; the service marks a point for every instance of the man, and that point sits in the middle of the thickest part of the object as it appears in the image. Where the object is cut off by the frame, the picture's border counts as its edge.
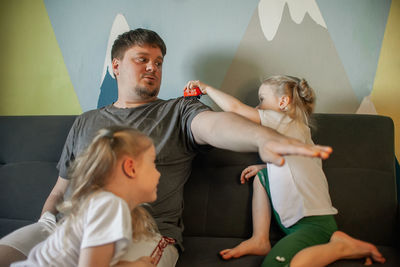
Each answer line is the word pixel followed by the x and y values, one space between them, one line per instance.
pixel 177 126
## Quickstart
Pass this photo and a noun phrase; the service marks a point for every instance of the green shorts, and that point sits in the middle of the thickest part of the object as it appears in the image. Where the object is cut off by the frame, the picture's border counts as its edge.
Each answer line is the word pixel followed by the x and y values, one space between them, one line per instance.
pixel 307 232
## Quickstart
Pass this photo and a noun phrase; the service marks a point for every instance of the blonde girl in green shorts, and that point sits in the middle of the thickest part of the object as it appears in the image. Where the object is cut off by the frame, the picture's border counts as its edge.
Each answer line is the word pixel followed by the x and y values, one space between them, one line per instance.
pixel 296 192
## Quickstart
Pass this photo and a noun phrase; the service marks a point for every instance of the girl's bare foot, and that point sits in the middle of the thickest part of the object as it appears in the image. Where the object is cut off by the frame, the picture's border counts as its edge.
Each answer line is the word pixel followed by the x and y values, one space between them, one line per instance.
pixel 252 246
pixel 356 249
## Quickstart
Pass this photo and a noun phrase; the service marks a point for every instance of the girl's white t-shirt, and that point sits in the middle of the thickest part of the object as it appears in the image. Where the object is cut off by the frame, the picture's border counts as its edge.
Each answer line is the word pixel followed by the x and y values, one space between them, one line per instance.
pixel 298 188
pixel 106 218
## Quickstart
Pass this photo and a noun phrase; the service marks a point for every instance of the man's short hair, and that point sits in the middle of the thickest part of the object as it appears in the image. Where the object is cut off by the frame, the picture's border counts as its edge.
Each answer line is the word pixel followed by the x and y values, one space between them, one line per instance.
pixel 138 37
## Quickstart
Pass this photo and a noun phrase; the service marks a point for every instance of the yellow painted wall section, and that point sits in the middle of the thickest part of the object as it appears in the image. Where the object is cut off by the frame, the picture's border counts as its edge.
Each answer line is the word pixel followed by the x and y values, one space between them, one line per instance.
pixel 33 77
pixel 386 90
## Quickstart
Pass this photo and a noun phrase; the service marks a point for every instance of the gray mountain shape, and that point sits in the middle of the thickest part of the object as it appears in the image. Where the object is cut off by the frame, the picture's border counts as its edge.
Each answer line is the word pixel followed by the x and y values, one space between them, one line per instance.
pixel 304 50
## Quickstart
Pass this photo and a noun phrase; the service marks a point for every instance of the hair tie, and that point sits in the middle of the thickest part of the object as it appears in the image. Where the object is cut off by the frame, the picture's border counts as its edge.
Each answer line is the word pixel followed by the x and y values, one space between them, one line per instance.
pixel 295 79
pixel 110 136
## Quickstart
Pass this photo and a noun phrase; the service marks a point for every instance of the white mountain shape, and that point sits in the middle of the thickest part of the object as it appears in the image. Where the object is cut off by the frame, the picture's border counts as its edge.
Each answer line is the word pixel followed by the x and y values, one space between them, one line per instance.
pixel 270 14
pixel 120 25
pixel 367 106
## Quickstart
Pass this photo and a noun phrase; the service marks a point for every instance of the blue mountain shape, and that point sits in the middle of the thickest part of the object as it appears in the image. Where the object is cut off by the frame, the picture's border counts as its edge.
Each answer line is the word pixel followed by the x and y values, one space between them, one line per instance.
pixel 108 91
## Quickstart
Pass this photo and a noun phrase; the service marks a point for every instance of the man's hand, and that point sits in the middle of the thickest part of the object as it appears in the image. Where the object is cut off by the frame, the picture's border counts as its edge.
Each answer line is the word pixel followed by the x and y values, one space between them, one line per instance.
pixel 230 131
pixel 274 149
pixel 56 196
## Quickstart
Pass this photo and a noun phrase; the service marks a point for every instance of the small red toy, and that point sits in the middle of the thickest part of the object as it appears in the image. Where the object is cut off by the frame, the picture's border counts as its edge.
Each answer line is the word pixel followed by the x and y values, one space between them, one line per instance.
pixel 196 92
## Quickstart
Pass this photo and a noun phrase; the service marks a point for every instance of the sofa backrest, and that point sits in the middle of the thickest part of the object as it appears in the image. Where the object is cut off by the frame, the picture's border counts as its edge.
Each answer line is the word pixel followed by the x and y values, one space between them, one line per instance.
pixel 30 147
pixel 360 173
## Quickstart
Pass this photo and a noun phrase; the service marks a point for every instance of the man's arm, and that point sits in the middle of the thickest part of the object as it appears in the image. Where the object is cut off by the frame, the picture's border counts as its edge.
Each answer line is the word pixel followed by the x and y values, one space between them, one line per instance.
pixel 230 131
pixel 56 195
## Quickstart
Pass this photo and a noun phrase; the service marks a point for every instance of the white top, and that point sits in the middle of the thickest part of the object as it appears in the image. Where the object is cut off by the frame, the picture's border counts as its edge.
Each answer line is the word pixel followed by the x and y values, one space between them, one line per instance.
pixel 105 219
pixel 298 188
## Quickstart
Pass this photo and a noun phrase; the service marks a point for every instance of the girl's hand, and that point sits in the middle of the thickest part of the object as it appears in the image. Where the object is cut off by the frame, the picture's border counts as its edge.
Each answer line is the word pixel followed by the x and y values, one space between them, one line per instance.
pixel 144 261
pixel 192 84
pixel 250 172
pixel 141 262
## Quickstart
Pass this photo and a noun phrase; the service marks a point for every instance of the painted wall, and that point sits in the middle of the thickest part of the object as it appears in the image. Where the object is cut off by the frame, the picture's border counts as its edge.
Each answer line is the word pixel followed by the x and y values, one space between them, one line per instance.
pixel 55 53
pixel 33 75
pixel 386 90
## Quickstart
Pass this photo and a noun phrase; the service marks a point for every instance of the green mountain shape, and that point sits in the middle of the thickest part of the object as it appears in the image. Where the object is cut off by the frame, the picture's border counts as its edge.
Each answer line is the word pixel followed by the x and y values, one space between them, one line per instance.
pixel 33 77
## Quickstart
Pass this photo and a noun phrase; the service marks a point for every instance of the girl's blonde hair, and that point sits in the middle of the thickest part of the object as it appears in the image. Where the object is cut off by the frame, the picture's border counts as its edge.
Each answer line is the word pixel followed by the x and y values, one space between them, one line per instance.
pixel 90 172
pixel 302 96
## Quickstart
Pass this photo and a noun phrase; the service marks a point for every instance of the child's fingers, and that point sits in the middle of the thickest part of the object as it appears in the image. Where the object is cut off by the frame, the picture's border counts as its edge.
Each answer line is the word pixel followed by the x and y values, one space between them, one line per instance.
pixel 147 261
pixel 251 173
pixel 243 176
pixel 145 258
pixel 193 84
pixel 188 85
pixel 248 173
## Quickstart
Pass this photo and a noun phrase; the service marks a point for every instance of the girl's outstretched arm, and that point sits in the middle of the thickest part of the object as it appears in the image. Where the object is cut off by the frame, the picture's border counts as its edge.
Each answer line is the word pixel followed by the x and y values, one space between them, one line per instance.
pixel 226 102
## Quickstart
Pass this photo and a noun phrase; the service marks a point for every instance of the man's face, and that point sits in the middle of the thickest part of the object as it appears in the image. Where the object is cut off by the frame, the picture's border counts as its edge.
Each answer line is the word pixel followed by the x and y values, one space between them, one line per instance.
pixel 140 71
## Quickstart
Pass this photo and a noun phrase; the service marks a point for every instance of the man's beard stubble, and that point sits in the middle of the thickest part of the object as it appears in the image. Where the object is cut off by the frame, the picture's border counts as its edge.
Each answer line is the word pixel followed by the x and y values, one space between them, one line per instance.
pixel 147 93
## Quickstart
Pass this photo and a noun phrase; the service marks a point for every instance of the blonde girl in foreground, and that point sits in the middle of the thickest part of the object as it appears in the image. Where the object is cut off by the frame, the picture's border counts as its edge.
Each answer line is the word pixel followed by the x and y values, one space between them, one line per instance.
pixel 297 191
pixel 109 181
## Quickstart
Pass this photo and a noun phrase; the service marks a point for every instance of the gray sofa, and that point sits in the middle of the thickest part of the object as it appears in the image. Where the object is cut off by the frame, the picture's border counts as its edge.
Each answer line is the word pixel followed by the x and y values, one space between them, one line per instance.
pixel 217 214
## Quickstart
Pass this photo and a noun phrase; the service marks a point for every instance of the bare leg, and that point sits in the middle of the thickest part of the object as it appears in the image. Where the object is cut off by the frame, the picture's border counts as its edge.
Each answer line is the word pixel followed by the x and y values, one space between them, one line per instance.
pixel 259 243
pixel 9 255
pixel 341 246
pixel 17 244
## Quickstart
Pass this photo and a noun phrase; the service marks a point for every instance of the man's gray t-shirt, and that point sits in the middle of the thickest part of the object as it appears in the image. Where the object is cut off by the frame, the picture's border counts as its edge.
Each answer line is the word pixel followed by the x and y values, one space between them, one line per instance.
pixel 168 123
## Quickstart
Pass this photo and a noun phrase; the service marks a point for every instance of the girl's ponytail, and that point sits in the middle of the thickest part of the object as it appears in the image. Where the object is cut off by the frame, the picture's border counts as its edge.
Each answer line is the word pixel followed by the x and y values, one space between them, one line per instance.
pixel 303 101
pixel 301 94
